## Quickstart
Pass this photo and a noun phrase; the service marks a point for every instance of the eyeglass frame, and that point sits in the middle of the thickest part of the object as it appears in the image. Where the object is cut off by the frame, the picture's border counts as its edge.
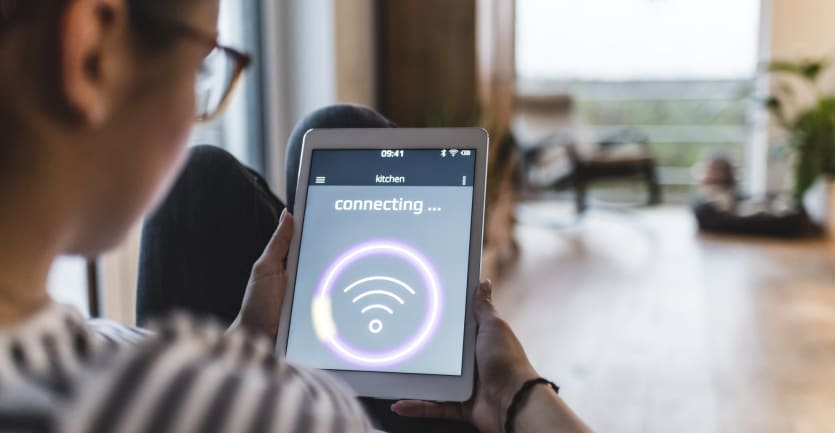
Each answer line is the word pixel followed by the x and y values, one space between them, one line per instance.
pixel 11 8
pixel 242 62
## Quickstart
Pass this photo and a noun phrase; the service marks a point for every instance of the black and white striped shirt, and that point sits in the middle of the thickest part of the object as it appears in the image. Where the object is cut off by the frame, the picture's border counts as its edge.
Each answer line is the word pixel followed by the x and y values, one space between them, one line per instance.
pixel 60 373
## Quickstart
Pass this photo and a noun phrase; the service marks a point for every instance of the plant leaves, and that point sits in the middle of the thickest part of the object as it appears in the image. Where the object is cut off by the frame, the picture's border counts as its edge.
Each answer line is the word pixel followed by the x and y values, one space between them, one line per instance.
pixel 773 103
pixel 808 69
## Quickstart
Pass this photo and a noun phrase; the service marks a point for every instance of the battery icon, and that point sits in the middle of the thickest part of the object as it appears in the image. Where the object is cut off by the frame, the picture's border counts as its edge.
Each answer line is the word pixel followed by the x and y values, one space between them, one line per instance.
pixel 466 152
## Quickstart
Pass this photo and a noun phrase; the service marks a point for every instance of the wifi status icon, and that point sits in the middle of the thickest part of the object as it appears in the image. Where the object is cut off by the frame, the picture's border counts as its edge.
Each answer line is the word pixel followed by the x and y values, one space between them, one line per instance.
pixel 374 299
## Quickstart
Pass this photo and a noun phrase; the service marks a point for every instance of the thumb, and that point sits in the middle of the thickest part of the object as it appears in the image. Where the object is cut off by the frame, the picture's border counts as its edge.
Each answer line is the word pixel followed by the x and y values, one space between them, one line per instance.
pixel 483 302
pixel 276 250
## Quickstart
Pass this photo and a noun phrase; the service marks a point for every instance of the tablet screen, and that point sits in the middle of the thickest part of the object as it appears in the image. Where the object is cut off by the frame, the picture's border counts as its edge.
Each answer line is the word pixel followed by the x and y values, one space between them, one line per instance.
pixel 381 283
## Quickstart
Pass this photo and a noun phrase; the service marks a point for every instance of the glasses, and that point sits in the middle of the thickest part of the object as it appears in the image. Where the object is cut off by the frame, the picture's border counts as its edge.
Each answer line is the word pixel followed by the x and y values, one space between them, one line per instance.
pixel 220 72
pixel 217 79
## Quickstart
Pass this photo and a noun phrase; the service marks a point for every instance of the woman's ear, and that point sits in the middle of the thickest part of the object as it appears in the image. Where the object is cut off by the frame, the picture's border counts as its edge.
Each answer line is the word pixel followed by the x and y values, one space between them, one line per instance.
pixel 87 29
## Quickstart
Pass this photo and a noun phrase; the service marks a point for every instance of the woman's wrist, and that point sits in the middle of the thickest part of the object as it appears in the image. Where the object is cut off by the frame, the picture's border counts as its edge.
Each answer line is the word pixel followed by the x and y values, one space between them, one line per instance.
pixel 521 397
pixel 512 386
pixel 539 412
pixel 544 411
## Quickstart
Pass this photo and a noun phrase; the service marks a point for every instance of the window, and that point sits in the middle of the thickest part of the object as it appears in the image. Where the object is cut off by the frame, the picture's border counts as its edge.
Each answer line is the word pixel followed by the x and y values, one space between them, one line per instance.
pixel 67 283
pixel 628 40
pixel 680 70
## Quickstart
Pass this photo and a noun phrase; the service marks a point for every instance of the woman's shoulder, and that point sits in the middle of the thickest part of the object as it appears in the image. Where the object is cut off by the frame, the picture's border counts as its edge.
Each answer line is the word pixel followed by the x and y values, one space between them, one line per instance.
pixel 189 373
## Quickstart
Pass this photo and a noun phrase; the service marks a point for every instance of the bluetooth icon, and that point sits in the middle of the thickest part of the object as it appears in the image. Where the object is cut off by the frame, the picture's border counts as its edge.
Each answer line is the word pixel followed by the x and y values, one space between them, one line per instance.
pixel 443 153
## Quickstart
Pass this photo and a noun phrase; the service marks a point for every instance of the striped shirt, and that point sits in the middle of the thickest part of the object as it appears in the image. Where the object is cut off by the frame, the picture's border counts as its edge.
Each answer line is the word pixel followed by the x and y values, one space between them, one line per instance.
pixel 61 373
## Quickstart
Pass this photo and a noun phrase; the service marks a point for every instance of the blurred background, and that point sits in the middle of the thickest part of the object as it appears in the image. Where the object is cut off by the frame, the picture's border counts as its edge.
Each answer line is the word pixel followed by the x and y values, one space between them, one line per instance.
pixel 659 298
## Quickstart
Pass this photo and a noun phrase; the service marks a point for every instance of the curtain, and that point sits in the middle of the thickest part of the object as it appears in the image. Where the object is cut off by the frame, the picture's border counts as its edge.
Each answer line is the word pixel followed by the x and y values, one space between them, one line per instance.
pixel 496 65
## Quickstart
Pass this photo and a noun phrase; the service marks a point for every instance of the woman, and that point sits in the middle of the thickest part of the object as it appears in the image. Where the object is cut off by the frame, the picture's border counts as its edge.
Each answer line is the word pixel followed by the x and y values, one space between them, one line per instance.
pixel 96 104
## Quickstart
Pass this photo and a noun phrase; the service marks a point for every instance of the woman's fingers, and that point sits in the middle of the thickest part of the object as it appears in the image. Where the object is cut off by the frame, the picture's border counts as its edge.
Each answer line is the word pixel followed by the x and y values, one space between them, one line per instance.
pixel 483 305
pixel 275 253
pixel 261 306
pixel 279 245
pixel 427 409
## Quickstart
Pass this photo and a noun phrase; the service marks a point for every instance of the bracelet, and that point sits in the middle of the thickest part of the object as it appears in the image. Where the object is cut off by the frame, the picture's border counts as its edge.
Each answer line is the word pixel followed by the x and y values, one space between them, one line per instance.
pixel 520 395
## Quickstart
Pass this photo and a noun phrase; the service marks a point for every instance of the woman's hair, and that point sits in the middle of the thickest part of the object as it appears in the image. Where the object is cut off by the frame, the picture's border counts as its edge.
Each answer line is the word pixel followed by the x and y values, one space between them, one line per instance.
pixel 145 15
pixel 147 18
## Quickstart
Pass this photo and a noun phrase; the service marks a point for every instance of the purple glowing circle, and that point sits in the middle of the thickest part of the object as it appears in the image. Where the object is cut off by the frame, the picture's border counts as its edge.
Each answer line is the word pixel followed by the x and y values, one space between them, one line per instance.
pixel 431 317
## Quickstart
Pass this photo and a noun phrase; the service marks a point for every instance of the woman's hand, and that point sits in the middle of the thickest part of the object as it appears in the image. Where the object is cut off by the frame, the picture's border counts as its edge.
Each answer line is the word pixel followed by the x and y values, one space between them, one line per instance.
pixel 261 306
pixel 502 367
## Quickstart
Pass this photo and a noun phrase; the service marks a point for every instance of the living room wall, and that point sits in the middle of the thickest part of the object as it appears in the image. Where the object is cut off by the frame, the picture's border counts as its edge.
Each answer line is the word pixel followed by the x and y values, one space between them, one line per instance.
pixel 797 29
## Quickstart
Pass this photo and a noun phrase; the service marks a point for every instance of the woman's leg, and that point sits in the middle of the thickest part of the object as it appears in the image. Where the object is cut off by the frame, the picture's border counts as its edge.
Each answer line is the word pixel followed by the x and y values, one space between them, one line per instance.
pixel 198 247
pixel 335 116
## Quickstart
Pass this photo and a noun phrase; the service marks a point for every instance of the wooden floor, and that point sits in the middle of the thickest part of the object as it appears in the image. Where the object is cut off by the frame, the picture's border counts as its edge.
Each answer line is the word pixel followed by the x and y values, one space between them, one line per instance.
pixel 650 327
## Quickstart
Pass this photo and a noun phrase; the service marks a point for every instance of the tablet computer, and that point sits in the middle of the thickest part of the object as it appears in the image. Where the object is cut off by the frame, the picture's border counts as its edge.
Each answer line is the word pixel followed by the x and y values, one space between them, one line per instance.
pixel 385 259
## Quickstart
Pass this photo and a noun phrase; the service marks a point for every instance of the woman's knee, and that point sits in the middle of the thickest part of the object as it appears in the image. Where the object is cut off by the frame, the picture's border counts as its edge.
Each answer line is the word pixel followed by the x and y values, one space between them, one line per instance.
pixel 343 116
pixel 206 158
pixel 207 170
pixel 330 117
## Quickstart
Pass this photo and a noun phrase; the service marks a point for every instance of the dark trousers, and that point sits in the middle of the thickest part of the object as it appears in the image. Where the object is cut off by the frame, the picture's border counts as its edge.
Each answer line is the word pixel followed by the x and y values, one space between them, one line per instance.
pixel 199 246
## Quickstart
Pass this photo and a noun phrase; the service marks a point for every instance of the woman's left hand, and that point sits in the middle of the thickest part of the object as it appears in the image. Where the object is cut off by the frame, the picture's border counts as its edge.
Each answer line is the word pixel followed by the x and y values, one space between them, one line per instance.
pixel 261 306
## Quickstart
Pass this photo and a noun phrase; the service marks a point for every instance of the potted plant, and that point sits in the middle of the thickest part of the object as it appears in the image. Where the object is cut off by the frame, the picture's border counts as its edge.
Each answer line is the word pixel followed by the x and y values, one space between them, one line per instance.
pixel 807 113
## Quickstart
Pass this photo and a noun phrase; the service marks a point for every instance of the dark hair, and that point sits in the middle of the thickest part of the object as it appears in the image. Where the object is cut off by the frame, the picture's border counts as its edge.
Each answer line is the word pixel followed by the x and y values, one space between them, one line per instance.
pixel 145 15
pixel 148 18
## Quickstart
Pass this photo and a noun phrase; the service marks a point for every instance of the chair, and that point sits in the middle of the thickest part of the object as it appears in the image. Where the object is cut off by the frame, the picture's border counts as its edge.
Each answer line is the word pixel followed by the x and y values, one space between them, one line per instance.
pixel 623 154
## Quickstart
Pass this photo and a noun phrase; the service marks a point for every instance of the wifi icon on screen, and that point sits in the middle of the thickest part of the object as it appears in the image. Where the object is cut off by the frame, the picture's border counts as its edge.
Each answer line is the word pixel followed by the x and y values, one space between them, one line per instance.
pixel 374 299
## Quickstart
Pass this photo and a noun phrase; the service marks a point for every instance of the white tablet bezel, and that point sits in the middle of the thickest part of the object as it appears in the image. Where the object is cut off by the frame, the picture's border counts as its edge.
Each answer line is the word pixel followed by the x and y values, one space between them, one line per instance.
pixel 399 385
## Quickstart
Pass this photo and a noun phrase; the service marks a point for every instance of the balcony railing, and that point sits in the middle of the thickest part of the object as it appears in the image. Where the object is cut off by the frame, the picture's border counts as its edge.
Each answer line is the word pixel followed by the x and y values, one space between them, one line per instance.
pixel 686 121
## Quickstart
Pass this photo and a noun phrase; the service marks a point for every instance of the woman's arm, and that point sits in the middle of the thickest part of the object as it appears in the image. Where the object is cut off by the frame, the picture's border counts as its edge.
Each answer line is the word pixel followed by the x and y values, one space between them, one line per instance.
pixel 503 368
pixel 545 411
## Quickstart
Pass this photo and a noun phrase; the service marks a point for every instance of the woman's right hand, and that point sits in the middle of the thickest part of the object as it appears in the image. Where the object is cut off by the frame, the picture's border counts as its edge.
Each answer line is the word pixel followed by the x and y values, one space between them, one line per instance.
pixel 502 368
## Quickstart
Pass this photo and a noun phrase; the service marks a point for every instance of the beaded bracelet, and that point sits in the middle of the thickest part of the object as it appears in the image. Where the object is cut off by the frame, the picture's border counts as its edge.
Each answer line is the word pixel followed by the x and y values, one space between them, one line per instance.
pixel 520 395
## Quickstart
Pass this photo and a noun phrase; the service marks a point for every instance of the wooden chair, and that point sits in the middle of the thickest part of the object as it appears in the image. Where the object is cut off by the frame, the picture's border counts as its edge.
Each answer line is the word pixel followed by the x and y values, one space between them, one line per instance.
pixel 609 160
